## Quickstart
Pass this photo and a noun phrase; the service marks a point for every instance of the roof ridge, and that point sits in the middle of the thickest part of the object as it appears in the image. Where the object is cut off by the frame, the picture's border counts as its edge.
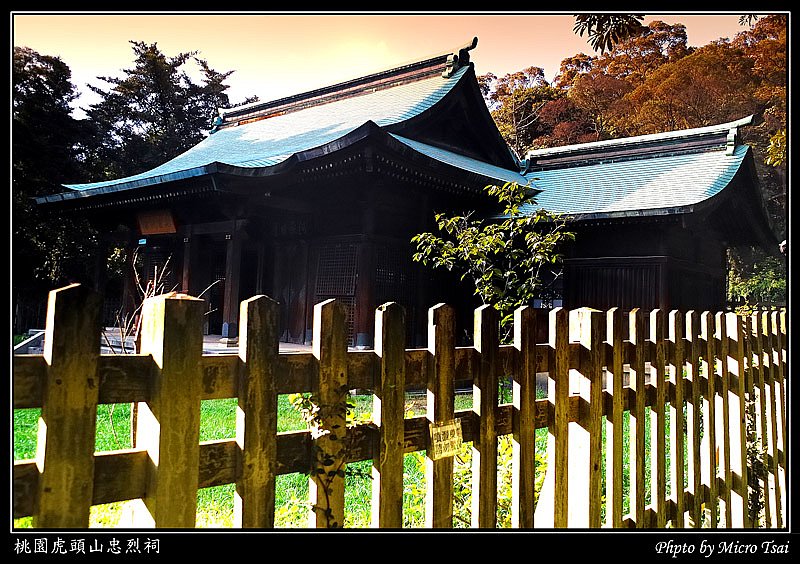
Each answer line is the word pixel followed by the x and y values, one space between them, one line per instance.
pixel 622 141
pixel 715 137
pixel 445 65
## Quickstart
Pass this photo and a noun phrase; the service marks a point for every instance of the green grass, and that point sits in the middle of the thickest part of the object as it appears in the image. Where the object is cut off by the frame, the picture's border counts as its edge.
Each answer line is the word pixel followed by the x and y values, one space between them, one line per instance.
pixel 215 504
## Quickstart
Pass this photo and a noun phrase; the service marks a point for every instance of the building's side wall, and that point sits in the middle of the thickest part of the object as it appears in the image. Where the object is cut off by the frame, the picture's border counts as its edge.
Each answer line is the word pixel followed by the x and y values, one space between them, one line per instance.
pixel 646 264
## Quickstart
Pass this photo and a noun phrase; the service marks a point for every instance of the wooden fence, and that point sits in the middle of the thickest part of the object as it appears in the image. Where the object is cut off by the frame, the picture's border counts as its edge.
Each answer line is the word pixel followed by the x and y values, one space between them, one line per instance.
pixel 600 366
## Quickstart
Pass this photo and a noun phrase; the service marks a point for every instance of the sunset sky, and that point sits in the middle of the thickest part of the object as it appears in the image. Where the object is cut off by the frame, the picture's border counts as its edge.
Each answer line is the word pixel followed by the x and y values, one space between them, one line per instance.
pixel 276 55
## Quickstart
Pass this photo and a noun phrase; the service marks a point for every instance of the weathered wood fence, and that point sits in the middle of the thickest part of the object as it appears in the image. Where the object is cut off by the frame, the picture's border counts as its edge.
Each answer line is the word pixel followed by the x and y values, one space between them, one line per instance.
pixel 600 366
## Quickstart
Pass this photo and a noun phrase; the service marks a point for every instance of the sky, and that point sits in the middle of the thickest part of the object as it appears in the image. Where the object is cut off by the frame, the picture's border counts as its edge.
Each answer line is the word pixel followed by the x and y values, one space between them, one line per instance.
pixel 279 54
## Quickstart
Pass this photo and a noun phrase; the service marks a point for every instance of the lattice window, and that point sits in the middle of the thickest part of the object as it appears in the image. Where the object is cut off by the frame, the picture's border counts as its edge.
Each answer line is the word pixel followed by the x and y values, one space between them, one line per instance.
pixel 337 270
pixel 394 275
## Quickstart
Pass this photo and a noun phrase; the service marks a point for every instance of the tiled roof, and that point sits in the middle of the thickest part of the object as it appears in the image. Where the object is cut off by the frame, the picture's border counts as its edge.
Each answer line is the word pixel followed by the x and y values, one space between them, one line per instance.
pixel 464 163
pixel 270 141
pixel 651 185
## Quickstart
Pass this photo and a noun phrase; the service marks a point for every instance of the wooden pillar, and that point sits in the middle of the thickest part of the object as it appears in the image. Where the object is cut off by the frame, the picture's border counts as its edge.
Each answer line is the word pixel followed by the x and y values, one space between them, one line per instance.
pixel 129 291
pixel 190 250
pixel 230 301
pixel 757 356
pixel 695 416
pixel 261 253
pixel 738 419
pixel 709 417
pixel 365 295
pixel 422 277
pixel 101 265
pixel 723 427
pixel 677 428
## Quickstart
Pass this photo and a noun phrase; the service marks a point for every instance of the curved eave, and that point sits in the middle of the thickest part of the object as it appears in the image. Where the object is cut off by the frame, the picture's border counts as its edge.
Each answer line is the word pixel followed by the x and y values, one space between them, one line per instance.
pixel 78 194
pixel 446 163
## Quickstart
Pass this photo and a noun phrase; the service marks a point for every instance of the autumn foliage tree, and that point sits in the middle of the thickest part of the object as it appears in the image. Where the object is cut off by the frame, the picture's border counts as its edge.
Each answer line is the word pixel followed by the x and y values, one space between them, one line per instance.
pixel 649 80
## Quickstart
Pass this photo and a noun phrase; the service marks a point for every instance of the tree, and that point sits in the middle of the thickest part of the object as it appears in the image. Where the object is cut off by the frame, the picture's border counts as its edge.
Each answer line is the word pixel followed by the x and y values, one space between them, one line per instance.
pixel 598 96
pixel 516 101
pixel 46 147
pixel 606 30
pixel 503 259
pixel 634 58
pixel 573 68
pixel 566 123
pixel 155 111
pixel 712 85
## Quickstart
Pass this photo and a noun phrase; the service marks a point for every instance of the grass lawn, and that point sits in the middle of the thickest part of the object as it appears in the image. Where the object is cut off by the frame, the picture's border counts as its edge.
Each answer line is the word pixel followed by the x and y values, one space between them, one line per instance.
pixel 215 504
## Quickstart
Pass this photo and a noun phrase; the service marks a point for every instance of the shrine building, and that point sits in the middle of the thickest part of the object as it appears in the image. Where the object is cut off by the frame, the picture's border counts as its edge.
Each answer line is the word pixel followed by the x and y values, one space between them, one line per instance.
pixel 317 196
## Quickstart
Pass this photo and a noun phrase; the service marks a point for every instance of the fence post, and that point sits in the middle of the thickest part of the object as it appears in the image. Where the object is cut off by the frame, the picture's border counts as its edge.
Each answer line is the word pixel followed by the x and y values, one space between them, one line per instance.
pixel 780 337
pixel 329 393
pixel 758 351
pixel 769 378
pixel 66 442
pixel 707 329
pixel 593 340
pixel 168 426
pixel 780 397
pixel 724 425
pixel 559 372
pixel 440 409
pixel 484 406
pixel 614 432
pixel 677 427
pixel 694 413
pixel 781 346
pixel 658 429
pixel 257 413
pixel 388 414
pixel 738 420
pixel 524 420
pixel 637 431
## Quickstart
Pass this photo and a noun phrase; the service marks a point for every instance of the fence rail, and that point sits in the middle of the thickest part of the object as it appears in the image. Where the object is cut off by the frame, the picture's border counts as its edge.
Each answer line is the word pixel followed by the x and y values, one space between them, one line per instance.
pixel 607 379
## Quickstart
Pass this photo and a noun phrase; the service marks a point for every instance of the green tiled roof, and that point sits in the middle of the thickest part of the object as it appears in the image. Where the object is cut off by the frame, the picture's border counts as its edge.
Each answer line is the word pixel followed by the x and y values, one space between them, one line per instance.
pixel 267 142
pixel 653 184
pixel 488 170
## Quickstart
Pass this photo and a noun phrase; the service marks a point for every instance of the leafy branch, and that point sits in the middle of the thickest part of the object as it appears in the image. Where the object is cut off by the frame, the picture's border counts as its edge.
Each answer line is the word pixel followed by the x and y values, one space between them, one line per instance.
pixel 506 257
pixel 329 455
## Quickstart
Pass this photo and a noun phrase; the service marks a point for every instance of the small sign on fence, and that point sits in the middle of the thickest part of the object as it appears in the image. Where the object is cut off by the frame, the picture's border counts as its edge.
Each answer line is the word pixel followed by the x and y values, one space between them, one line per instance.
pixel 445 439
